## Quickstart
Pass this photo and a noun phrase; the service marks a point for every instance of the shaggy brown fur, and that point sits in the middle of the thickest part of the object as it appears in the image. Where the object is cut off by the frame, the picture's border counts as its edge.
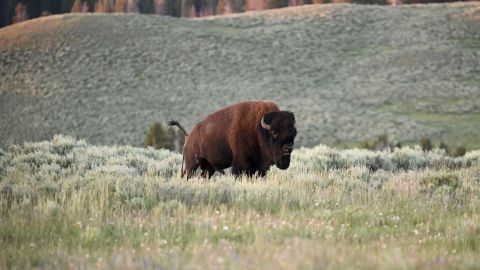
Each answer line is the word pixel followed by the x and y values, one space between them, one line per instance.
pixel 234 137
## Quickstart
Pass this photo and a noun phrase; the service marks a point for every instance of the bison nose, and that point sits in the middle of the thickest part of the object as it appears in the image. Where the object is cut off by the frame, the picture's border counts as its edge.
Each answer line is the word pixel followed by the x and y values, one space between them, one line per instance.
pixel 287 149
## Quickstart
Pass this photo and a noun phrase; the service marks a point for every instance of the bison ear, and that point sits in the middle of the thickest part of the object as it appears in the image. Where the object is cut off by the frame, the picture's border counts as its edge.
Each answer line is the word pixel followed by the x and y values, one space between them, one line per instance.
pixel 268 117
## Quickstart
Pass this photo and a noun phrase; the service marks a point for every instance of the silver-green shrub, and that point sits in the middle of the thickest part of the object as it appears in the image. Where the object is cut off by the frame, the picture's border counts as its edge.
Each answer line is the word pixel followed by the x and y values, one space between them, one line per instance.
pixel 324 158
pixel 125 176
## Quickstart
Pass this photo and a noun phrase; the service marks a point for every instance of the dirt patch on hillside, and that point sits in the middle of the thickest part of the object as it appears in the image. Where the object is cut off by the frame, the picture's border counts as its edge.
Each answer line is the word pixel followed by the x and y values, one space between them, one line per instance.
pixel 36 33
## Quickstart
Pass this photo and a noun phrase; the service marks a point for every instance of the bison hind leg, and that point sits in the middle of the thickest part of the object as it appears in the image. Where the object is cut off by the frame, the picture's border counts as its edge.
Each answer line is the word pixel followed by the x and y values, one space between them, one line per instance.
pixel 191 167
pixel 207 168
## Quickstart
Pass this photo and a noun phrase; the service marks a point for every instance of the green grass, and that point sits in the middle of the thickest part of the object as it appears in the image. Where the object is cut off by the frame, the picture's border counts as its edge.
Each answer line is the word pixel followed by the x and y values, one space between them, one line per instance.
pixel 469 43
pixel 456 129
pixel 343 228
pixel 121 207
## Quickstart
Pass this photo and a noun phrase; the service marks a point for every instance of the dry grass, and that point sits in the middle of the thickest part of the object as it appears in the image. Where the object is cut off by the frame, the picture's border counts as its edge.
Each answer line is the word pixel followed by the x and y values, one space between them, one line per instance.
pixel 68 205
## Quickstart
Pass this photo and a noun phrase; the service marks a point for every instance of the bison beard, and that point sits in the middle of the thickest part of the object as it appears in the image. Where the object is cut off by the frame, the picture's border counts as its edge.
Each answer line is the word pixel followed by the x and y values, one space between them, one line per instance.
pixel 249 136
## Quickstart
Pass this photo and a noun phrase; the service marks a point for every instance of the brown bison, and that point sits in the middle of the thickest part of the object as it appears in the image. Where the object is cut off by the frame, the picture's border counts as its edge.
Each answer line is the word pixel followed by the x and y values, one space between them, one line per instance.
pixel 249 136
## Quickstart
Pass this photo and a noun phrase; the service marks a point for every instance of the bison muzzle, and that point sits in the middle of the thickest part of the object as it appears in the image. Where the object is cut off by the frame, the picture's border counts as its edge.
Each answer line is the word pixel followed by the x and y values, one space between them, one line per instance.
pixel 249 136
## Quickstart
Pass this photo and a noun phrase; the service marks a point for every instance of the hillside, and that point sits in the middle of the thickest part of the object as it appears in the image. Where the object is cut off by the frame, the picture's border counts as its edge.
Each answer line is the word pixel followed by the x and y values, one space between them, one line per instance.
pixel 349 72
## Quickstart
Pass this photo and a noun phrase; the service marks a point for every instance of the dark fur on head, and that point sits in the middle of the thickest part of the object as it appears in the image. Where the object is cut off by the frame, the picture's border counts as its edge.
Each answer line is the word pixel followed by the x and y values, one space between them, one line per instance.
pixel 280 136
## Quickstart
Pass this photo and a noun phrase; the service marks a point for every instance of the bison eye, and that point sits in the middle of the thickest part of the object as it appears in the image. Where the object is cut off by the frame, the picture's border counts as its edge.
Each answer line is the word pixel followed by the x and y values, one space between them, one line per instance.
pixel 274 134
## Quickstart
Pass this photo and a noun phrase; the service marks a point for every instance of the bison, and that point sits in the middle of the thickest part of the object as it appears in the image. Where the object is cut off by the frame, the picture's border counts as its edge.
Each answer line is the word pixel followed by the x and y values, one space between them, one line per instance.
pixel 249 136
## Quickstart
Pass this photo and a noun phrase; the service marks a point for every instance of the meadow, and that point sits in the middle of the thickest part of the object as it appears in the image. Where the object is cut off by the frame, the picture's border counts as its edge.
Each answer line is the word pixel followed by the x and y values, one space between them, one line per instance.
pixel 66 204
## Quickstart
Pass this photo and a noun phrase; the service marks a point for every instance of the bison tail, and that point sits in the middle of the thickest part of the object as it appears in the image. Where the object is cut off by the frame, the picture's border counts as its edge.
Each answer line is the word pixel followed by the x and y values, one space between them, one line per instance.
pixel 175 123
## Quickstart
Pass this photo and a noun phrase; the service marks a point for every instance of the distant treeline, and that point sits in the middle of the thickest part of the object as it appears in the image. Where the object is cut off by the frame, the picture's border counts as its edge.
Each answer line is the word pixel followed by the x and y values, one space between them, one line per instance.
pixel 13 11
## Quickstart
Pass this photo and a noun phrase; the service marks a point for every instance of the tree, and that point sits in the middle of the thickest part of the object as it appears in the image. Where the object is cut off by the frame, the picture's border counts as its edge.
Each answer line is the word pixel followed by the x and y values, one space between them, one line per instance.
pixel 7 8
pixel 278 3
pixel 257 5
pixel 91 5
pixel 213 6
pixel 35 8
pixel 76 7
pixel 237 5
pixel 173 7
pixel 380 143
pixel 159 7
pixel 104 6
pixel 444 146
pixel 426 144
pixel 298 2
pixel 460 151
pixel 120 6
pixel 132 6
pixel 67 5
pixel 220 9
pixel 85 7
pixel 159 137
pixel 20 13
pixel 146 6
pixel 197 4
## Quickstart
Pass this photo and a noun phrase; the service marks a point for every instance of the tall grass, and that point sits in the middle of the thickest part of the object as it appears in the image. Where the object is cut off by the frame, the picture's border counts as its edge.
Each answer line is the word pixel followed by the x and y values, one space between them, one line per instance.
pixel 67 204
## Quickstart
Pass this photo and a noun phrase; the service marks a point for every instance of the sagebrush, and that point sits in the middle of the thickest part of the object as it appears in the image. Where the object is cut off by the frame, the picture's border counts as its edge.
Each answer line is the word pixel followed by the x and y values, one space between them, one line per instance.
pixel 66 204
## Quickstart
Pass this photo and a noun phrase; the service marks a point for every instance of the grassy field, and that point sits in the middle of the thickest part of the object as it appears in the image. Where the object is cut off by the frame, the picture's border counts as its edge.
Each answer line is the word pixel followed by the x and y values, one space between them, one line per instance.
pixel 66 204
pixel 456 119
pixel 107 77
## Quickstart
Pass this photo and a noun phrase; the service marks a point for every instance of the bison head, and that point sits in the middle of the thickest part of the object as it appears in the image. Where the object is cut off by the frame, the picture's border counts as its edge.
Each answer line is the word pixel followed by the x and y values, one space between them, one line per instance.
pixel 278 132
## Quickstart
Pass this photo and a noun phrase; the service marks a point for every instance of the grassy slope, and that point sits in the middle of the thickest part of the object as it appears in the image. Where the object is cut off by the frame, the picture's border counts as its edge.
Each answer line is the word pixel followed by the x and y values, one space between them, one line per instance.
pixel 68 205
pixel 340 68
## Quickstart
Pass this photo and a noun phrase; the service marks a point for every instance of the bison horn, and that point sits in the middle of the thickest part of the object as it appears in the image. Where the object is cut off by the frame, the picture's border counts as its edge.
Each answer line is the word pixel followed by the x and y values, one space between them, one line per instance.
pixel 265 126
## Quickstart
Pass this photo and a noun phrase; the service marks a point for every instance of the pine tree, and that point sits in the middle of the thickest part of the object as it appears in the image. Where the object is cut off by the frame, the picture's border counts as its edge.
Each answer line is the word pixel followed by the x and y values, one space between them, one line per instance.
pixel 104 6
pixel 257 5
pixel 237 5
pixel 146 6
pixel 213 6
pixel 132 6
pixel 67 5
pixel 120 6
pixel 198 6
pixel 159 7
pixel 76 7
pixel 278 3
pixel 20 13
pixel 173 7
pixel 158 137
pixel 426 144
pixel 84 7
pixel 220 9
pixel 7 8
pixel 91 5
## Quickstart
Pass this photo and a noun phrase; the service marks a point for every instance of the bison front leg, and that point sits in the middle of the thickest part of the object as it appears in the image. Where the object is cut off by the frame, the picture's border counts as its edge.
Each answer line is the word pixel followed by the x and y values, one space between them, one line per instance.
pixel 242 166
pixel 262 171
pixel 208 172
pixel 207 169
